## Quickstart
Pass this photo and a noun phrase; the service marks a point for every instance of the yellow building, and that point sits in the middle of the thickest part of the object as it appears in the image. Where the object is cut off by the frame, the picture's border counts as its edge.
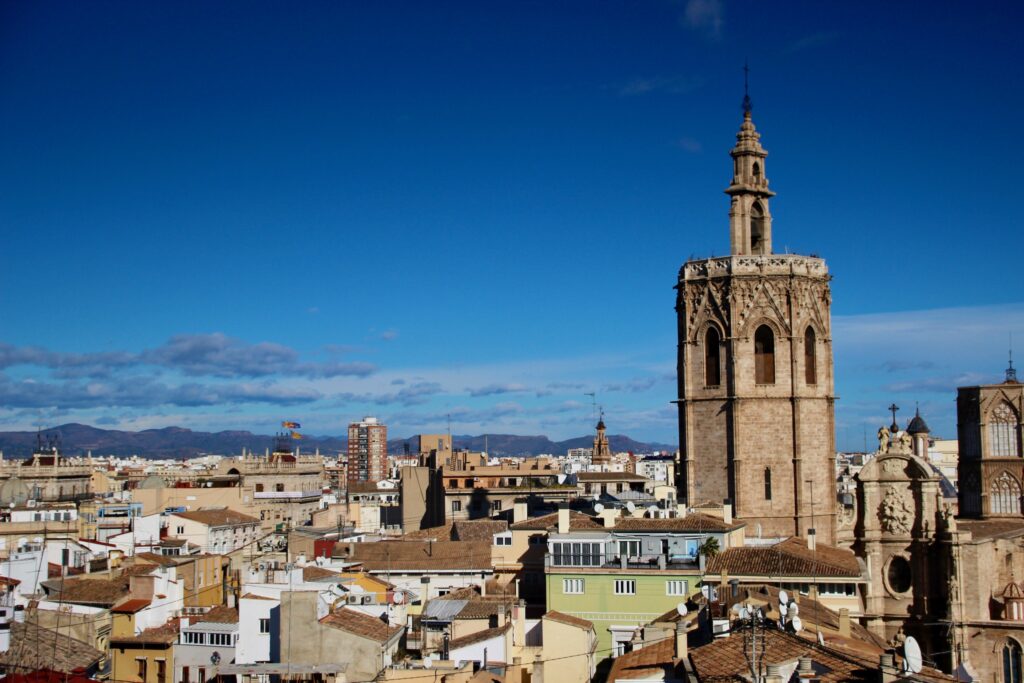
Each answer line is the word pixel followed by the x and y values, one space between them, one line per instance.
pixel 146 657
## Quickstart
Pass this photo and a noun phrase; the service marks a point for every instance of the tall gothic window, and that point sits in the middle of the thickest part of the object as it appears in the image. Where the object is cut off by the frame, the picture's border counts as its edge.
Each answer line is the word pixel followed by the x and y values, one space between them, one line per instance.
pixel 767 483
pixel 764 355
pixel 1011 662
pixel 712 358
pixel 757 170
pixel 1002 431
pixel 756 227
pixel 810 357
pixel 1004 496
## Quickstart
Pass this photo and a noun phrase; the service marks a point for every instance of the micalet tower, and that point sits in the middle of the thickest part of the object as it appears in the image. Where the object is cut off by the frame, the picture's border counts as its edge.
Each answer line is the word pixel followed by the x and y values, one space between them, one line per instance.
pixel 756 397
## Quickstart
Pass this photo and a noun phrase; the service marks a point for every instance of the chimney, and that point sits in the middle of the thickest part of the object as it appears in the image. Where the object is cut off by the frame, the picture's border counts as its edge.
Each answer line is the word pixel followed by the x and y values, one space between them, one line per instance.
pixel 774 674
pixel 681 643
pixel 727 511
pixel 519 624
pixel 887 665
pixel 681 510
pixel 805 669
pixel 812 541
pixel 519 512
pixel 424 589
pixel 844 622
pixel 538 670
pixel 563 519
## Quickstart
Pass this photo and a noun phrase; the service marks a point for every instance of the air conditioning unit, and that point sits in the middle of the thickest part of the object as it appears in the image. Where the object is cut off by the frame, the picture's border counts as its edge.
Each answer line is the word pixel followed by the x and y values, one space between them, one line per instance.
pixel 30 503
pixel 367 599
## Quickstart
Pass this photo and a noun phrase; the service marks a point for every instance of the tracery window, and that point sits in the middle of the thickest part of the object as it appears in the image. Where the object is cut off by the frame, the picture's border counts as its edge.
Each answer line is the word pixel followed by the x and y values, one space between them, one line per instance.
pixel 1004 495
pixel 1011 662
pixel 712 358
pixel 757 227
pixel 764 355
pixel 810 357
pixel 1002 431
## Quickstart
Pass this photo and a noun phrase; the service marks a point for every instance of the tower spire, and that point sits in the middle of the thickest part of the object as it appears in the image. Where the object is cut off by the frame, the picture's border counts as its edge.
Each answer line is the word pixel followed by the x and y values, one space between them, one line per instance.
pixel 1011 372
pixel 748 106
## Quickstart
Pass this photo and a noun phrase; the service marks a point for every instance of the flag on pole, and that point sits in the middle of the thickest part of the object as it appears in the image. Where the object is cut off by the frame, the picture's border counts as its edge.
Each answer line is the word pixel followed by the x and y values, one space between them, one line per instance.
pixel 296 435
pixel 291 425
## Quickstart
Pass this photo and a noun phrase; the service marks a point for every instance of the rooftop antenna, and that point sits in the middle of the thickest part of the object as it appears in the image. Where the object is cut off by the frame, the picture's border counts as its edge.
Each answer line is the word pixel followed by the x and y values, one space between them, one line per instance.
pixel 748 106
pixel 593 403
pixel 1011 372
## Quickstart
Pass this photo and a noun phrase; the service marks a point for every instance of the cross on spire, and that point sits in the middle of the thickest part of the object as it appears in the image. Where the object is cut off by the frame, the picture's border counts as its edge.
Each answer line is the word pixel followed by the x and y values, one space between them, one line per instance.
pixel 748 106
pixel 894 427
pixel 1011 372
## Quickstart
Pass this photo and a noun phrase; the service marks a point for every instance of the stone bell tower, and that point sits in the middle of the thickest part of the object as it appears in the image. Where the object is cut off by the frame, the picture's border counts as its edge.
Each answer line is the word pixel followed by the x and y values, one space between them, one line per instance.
pixel 756 397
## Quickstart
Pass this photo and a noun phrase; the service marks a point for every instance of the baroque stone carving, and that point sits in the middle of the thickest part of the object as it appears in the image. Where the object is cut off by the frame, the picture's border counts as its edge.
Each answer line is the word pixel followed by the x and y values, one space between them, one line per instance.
pixel 892 466
pixel 894 512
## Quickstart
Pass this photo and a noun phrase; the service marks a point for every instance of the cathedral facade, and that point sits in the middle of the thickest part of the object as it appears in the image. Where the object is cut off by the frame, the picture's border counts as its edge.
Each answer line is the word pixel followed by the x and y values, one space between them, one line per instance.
pixel 755 384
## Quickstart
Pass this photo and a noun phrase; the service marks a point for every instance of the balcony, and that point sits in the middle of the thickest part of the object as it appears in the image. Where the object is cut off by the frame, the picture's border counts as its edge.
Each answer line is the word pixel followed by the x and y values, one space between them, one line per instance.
pixel 614 561
pixel 287 495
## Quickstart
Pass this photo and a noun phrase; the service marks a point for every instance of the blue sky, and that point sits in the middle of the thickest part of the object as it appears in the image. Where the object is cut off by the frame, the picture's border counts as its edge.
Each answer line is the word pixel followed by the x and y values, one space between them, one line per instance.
pixel 222 215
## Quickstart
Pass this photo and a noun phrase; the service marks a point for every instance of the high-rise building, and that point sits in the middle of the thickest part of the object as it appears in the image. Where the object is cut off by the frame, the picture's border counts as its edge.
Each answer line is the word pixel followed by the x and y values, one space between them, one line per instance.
pixel 367 450
pixel 756 413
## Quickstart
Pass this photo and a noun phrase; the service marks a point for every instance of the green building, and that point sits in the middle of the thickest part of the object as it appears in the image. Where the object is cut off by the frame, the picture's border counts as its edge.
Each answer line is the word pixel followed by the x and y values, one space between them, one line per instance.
pixel 622 572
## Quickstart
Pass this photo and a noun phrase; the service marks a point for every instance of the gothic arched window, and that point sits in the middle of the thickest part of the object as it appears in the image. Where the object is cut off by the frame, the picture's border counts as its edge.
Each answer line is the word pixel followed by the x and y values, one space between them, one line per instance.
pixel 767 483
pixel 756 227
pixel 1011 661
pixel 1002 431
pixel 757 170
pixel 712 358
pixel 810 357
pixel 764 355
pixel 1004 496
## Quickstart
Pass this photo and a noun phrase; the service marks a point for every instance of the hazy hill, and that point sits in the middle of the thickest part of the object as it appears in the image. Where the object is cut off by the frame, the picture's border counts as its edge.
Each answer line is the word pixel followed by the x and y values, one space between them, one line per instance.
pixel 177 442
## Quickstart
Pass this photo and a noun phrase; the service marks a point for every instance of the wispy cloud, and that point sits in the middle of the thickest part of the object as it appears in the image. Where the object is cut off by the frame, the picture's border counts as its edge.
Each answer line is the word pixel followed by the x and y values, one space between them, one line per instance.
pixel 495 389
pixel 689 145
pixel 812 41
pixel 706 16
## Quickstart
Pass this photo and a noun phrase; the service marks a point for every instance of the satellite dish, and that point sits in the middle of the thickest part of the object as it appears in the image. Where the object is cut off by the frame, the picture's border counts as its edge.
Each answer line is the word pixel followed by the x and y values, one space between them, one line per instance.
pixel 630 506
pixel 681 609
pixel 652 509
pixel 399 598
pixel 783 597
pixel 912 655
pixel 794 609
pixel 744 613
pixel 782 608
pixel 821 639
pixel 598 508
pixel 797 624
pixel 427 663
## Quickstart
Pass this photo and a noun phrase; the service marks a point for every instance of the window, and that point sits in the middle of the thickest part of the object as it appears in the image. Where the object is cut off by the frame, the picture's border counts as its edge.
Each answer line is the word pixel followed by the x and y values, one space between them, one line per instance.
pixel 161 670
pixel 625 587
pixel 202 675
pixel 767 483
pixel 629 548
pixel 675 587
pixel 810 358
pixel 180 530
pixel 899 574
pixel 577 554
pixel 573 586
pixel 712 358
pixel 757 170
pixel 193 638
pixel 757 228
pixel 456 506
pixel 495 506
pixel 764 355
pixel 140 668
pixel 220 639
pixel 185 674
pixel 1004 495
pixel 1002 432
pixel 279 488
pixel 1011 662
pixel 502 540
pixel 259 488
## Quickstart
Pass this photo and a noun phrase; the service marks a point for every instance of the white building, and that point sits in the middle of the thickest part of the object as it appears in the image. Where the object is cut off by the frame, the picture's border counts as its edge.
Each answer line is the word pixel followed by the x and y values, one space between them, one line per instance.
pixel 219 531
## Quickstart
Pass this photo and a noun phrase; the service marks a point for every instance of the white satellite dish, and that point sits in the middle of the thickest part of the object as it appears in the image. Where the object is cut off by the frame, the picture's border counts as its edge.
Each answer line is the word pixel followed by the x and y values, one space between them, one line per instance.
pixel 737 609
pixel 794 609
pixel 783 597
pixel 630 506
pixel 797 624
pixel 912 655
pixel 399 598
pixel 821 639
pixel 598 508
pixel 561 478
pixel 744 613
pixel 782 608
pixel 427 663
pixel 652 509
pixel 681 609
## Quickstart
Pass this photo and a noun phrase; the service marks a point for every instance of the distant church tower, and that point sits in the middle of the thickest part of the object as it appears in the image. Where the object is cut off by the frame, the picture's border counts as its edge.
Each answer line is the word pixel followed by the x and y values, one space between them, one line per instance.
pixel 602 451
pixel 756 397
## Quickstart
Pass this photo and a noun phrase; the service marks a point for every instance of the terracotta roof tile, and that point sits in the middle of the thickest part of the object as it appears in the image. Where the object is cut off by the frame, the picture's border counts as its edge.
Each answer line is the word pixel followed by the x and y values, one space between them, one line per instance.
pixel 696 522
pixel 478 530
pixel 479 636
pixel 991 528
pixel 314 573
pixel 563 618
pixel 162 635
pixel 361 625
pixel 132 606
pixel 221 614
pixel 218 517
pixel 418 555
pixel 90 591
pixel 786 558
pixel 39 647
pixel 656 657
pixel 577 522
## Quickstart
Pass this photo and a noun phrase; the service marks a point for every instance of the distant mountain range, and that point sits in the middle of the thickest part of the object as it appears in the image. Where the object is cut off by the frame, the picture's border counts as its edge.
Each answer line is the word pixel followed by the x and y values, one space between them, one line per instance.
pixel 177 442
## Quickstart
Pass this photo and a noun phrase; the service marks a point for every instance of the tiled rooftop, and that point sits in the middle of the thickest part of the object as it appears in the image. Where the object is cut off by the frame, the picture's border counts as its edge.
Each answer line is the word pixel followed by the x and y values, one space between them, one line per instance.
pixel 786 558
pixel 361 625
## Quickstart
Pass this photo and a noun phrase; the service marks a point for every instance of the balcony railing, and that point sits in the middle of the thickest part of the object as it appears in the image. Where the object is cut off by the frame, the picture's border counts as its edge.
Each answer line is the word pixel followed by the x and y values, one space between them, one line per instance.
pixel 621 561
